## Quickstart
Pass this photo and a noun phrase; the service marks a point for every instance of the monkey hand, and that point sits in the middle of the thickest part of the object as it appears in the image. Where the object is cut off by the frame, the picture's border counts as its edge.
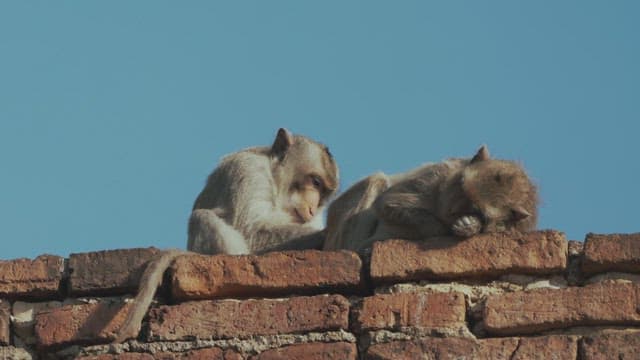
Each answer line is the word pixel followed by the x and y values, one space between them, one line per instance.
pixel 466 226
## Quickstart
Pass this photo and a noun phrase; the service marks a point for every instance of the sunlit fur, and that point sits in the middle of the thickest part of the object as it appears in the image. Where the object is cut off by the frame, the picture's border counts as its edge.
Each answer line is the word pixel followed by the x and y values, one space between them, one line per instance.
pixel 256 200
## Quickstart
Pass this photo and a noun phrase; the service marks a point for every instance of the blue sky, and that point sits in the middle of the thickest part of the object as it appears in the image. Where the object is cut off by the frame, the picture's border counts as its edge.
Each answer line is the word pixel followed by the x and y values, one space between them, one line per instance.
pixel 112 114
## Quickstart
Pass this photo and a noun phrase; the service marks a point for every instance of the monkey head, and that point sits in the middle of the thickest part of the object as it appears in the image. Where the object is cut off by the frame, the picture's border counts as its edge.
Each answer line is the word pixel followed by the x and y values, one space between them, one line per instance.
pixel 305 173
pixel 501 192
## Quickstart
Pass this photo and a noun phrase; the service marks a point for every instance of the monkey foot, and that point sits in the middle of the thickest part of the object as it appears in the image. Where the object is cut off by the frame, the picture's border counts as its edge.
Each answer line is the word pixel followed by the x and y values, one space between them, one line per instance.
pixel 467 226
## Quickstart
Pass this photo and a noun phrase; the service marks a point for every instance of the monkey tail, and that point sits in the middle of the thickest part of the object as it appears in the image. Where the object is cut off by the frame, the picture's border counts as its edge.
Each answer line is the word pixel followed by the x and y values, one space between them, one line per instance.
pixel 149 282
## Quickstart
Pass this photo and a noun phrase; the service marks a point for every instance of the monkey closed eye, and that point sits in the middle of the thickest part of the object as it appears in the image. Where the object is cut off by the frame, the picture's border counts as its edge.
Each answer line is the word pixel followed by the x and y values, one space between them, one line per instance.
pixel 316 182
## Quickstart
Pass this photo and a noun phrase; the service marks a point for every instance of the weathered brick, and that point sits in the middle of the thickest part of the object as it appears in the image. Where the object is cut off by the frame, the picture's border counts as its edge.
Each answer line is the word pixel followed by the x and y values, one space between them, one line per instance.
pixel 420 309
pixel 80 324
pixel 616 345
pixel 223 319
pixel 485 255
pixel 14 353
pixel 443 348
pixel 614 252
pixel 110 272
pixel 123 356
pixel 202 354
pixel 558 347
pixel 311 351
pixel 24 319
pixel 5 321
pixel 528 312
pixel 547 347
pixel 272 274
pixel 26 278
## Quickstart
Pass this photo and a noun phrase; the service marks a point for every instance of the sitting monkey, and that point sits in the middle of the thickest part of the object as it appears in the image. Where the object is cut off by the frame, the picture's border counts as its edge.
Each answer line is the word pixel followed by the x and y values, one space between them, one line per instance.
pixel 257 200
pixel 460 197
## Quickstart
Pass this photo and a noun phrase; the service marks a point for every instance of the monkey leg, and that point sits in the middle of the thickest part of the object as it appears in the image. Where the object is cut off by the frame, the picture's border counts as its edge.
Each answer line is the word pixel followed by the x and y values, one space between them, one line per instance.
pixel 210 234
pixel 374 185
pixel 351 220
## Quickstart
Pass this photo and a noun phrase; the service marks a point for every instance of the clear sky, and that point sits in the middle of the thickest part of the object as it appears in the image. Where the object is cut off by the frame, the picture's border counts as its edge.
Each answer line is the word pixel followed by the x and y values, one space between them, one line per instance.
pixel 113 113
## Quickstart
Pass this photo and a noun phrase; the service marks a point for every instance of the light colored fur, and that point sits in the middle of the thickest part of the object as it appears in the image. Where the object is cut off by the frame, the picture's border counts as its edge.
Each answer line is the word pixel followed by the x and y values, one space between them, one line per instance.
pixel 256 200
pixel 244 210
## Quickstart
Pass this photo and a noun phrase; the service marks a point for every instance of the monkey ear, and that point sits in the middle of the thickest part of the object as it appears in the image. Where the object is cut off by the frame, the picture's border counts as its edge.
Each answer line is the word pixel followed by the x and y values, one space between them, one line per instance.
pixel 481 155
pixel 284 139
pixel 519 213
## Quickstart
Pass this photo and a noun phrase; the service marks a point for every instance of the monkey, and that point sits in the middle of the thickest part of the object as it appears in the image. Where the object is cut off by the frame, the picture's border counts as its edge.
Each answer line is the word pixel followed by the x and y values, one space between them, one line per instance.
pixel 457 197
pixel 256 200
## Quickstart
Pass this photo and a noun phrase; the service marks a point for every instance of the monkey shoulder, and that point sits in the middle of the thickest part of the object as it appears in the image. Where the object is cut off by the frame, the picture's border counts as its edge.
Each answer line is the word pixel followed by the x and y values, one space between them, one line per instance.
pixel 426 176
pixel 237 175
pixel 248 163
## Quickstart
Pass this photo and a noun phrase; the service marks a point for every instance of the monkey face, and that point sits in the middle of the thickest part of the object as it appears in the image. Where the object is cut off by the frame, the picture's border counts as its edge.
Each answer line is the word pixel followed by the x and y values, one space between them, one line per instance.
pixel 305 198
pixel 309 173
pixel 501 191
pixel 310 186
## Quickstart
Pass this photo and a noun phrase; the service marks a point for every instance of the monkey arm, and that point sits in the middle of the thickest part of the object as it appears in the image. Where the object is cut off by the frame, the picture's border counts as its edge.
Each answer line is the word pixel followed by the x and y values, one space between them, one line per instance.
pixel 313 240
pixel 272 237
pixel 401 206
pixel 410 205
pixel 210 234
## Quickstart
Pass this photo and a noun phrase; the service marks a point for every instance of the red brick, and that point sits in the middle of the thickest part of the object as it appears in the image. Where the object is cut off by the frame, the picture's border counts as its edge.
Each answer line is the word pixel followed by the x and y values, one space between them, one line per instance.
pixel 80 324
pixel 528 312
pixel 111 272
pixel 556 347
pixel 124 356
pixel 443 348
pixel 5 322
pixel 22 323
pixel 203 354
pixel 26 278
pixel 272 274
pixel 223 319
pixel 614 252
pixel 548 347
pixel 486 255
pixel 311 351
pixel 611 346
pixel 422 309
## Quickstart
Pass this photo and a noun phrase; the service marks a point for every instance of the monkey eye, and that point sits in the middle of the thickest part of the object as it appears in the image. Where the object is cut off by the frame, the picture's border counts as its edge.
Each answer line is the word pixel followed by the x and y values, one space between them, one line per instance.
pixel 316 181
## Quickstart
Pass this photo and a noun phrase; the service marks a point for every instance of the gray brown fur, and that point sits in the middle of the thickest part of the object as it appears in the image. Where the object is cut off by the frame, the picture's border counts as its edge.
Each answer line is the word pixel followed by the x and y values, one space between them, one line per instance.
pixel 256 200
pixel 246 206
pixel 459 197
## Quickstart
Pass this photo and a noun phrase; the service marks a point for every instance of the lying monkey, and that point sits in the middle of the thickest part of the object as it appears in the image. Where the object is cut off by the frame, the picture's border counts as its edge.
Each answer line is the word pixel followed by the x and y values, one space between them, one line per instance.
pixel 257 200
pixel 461 197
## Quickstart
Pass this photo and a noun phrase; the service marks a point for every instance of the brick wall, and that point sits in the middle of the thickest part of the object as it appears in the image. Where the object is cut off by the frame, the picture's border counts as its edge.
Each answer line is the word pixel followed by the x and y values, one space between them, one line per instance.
pixel 507 296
